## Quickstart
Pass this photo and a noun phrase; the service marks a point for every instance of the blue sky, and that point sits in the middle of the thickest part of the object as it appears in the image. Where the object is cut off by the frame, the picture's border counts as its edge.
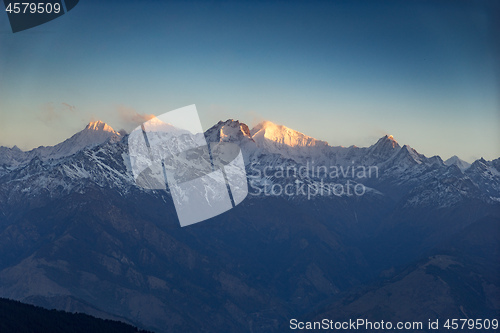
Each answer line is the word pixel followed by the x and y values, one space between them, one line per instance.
pixel 347 72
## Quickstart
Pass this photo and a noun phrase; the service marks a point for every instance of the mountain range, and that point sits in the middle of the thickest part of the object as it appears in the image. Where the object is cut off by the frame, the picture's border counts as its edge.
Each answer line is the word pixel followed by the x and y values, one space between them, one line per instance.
pixel 420 242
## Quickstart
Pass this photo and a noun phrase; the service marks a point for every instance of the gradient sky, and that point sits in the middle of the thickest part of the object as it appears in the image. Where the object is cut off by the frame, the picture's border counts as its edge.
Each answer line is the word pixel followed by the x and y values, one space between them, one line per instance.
pixel 347 72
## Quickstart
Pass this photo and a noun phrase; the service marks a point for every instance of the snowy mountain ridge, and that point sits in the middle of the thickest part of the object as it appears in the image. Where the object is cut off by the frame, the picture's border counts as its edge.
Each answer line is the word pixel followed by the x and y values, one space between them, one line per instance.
pixel 95 133
pixel 266 137
pixel 100 155
pixel 455 160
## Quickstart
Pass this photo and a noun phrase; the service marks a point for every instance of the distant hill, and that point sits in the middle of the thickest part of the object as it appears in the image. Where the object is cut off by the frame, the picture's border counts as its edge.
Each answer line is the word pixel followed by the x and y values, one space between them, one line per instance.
pixel 19 318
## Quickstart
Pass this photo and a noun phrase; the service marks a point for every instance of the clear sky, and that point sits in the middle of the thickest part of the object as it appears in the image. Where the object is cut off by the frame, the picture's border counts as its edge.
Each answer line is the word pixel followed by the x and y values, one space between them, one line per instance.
pixel 347 72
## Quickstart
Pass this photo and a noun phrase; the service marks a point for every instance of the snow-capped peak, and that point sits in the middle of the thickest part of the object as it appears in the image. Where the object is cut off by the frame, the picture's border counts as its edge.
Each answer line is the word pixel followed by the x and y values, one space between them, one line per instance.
pixel 383 149
pixel 228 131
pixel 95 133
pixel 100 126
pixel 388 141
pixel 409 155
pixel 455 160
pixel 282 135
pixel 157 125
